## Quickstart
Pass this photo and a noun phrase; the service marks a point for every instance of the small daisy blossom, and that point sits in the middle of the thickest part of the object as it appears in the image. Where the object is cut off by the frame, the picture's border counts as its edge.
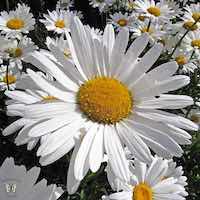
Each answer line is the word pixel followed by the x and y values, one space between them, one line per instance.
pixel 191 42
pixel 184 60
pixel 120 20
pixel 8 78
pixel 159 11
pixel 17 51
pixel 19 184
pixel 64 4
pixel 154 30
pixel 61 44
pixel 58 20
pixel 102 5
pixel 192 13
pixel 17 21
pixel 149 182
pixel 194 116
pixel 117 107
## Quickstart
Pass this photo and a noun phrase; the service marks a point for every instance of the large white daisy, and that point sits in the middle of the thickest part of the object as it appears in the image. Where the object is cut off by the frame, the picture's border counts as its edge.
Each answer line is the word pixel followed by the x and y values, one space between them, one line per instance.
pixel 58 21
pixel 19 184
pixel 155 11
pixel 157 181
pixel 117 107
pixel 17 21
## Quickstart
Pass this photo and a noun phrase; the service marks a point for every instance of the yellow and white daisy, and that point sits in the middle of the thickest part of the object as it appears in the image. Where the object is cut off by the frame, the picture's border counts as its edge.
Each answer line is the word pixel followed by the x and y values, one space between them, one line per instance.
pixel 17 50
pixel 58 21
pixel 159 180
pixel 192 13
pixel 154 30
pixel 159 11
pixel 19 184
pixel 120 20
pixel 59 43
pixel 184 60
pixel 117 107
pixel 17 21
pixel 191 42
pixel 102 5
pixel 8 77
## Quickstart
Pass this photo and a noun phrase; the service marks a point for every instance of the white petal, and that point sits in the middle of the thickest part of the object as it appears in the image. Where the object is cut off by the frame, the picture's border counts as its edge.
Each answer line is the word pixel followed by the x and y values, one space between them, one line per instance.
pixel 116 155
pixel 97 150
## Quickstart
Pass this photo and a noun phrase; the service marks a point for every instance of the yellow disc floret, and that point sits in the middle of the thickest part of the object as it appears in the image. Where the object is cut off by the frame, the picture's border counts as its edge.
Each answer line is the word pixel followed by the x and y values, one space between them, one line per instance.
pixel 122 22
pixel 104 100
pixel 181 60
pixel 18 52
pixel 60 23
pixel 154 11
pixel 196 43
pixel 49 98
pixel 9 79
pixel 15 24
pixel 196 16
pixel 146 30
pixel 190 25
pixel 142 191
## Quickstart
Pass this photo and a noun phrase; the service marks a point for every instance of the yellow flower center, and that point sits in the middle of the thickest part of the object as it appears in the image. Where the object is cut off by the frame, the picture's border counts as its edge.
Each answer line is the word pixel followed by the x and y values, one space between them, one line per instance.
pixel 154 11
pixel 122 22
pixel 49 98
pixel 104 100
pixel 196 16
pixel 189 25
pixel 9 79
pixel 196 43
pixel 131 5
pixel 141 17
pixel 60 23
pixel 15 23
pixel 146 30
pixel 181 60
pixel 67 53
pixel 142 191
pixel 195 119
pixel 18 52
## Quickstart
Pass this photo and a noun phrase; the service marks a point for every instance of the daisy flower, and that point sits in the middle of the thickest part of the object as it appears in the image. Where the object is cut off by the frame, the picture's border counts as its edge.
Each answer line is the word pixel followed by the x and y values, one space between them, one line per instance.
pixel 117 107
pixel 191 42
pixel 17 21
pixel 192 13
pixel 17 51
pixel 8 79
pixel 120 20
pixel 149 182
pixel 19 184
pixel 154 30
pixel 155 11
pixel 184 60
pixel 61 44
pixel 58 21
pixel 64 4
pixel 102 5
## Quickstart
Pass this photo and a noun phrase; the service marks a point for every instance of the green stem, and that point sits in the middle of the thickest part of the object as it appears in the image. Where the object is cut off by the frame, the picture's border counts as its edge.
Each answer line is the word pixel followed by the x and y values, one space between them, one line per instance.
pixel 149 24
pixel 7 5
pixel 7 77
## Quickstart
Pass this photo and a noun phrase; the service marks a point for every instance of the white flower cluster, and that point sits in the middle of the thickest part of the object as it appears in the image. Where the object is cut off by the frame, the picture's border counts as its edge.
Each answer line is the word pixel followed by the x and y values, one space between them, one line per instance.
pixel 103 94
